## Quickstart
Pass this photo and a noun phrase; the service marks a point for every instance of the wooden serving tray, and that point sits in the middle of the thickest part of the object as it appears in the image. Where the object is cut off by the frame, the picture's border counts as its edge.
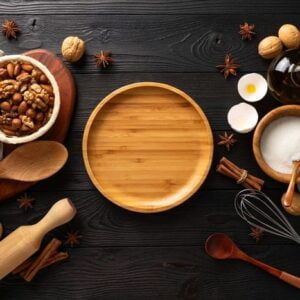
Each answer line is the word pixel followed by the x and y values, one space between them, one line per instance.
pixel 147 147
pixel 64 78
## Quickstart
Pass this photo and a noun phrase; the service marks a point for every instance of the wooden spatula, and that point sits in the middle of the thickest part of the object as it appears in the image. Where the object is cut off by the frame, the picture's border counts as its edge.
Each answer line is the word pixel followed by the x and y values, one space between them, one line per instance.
pixel 34 161
pixel 26 240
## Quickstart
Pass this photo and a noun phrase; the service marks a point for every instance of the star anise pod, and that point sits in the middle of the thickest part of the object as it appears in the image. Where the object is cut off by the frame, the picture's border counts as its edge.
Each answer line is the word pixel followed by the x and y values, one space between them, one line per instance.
pixel 229 66
pixel 10 29
pixel 246 31
pixel 227 140
pixel 25 202
pixel 73 238
pixel 103 59
pixel 256 233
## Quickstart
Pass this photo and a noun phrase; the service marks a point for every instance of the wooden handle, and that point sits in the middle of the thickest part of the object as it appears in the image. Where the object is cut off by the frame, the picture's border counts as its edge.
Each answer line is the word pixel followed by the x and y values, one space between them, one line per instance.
pixel 287 201
pixel 60 213
pixel 26 240
pixel 286 277
pixel 290 279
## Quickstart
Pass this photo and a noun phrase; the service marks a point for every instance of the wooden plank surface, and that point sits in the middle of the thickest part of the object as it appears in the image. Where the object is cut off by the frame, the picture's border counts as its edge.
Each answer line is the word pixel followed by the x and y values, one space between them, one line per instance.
pixel 126 255
pixel 131 7
pixel 147 43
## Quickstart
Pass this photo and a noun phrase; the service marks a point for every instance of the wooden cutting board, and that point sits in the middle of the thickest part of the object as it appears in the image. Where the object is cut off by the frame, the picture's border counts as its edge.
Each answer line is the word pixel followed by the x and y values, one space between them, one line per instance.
pixel 147 147
pixel 66 84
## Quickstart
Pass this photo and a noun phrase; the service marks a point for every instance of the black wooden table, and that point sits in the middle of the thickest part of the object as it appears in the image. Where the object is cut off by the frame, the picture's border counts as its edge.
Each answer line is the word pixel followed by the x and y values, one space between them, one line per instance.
pixel 125 255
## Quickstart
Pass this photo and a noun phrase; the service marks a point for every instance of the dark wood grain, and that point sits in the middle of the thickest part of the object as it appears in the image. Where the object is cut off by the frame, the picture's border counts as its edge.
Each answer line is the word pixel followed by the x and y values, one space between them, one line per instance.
pixel 104 224
pixel 177 44
pixel 125 255
pixel 157 273
pixel 130 7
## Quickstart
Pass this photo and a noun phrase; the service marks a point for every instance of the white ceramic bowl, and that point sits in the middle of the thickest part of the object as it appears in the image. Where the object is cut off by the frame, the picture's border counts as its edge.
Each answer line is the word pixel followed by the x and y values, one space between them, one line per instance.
pixel 56 107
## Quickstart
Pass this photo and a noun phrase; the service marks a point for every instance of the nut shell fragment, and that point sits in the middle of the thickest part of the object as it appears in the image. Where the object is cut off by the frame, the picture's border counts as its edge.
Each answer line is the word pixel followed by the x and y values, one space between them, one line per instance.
pixel 242 117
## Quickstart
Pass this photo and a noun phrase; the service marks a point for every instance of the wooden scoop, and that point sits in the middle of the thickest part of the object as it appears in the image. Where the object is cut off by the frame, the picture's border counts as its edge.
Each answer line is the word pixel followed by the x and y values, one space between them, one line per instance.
pixel 220 246
pixel 26 240
pixel 288 198
pixel 34 161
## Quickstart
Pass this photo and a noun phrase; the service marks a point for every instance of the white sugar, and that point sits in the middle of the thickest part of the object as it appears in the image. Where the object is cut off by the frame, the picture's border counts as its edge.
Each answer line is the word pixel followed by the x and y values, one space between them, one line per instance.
pixel 280 144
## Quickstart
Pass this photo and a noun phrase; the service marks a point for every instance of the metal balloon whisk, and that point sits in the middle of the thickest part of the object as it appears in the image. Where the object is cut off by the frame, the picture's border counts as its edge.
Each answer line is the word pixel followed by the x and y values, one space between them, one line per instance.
pixel 258 210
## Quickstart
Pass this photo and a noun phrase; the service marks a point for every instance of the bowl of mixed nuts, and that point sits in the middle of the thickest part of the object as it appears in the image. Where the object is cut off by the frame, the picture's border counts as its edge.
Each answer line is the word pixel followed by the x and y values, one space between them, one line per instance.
pixel 29 99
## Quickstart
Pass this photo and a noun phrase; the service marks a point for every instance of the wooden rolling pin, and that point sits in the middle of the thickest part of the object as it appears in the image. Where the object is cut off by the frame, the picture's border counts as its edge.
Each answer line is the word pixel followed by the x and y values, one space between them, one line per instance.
pixel 26 240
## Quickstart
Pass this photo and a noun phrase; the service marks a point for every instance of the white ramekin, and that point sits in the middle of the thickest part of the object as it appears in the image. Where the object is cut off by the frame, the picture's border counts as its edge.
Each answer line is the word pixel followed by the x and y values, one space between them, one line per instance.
pixel 56 107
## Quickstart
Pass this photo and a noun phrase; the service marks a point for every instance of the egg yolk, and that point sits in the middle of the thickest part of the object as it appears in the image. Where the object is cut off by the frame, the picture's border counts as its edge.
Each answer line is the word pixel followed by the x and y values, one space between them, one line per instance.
pixel 250 88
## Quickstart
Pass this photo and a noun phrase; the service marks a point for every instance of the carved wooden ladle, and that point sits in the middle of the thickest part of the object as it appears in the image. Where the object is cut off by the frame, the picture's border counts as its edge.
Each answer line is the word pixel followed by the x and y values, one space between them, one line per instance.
pixel 34 161
pixel 220 246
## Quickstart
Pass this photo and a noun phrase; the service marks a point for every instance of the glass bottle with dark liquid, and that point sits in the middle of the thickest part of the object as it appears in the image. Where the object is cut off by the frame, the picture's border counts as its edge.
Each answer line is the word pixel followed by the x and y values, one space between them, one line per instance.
pixel 284 77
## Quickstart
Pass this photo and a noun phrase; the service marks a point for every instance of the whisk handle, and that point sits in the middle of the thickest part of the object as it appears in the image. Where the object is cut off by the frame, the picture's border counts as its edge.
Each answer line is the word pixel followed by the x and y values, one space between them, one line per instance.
pixel 290 279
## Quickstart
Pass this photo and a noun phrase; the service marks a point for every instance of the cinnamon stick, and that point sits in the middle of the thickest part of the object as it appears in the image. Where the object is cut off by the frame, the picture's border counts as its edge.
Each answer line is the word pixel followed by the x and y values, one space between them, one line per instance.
pixel 225 171
pixel 228 168
pixel 56 258
pixel 23 266
pixel 253 182
pixel 230 163
pixel 42 259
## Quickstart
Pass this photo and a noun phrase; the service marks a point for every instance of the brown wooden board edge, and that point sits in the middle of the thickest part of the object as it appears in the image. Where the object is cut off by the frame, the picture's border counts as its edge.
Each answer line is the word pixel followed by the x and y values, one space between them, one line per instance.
pixel 15 187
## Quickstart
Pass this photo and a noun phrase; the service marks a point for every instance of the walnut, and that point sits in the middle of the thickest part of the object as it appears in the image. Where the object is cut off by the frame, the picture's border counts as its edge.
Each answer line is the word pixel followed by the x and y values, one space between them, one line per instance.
pixel 27 121
pixel 8 87
pixel 72 48
pixel 289 35
pixel 36 88
pixel 270 47
pixel 29 96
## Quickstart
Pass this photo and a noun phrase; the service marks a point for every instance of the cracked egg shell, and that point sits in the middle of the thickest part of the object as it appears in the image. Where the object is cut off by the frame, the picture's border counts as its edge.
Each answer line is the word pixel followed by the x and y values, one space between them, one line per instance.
pixel 252 87
pixel 242 117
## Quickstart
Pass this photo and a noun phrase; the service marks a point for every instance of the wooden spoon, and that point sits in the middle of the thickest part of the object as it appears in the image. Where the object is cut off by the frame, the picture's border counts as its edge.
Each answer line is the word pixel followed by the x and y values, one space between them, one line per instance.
pixel 34 161
pixel 220 246
pixel 294 208
pixel 287 201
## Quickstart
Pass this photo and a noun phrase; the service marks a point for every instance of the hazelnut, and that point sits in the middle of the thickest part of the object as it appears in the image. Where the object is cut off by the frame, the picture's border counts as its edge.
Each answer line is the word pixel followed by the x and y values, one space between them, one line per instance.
pixel 5 106
pixel 72 48
pixel 39 116
pixel 43 79
pixel 10 69
pixel 289 35
pixel 3 73
pixel 25 128
pixel 270 47
pixel 17 70
pixel 16 124
pixel 22 108
pixel 14 108
pixel 27 67
pixel 17 97
pixel 30 112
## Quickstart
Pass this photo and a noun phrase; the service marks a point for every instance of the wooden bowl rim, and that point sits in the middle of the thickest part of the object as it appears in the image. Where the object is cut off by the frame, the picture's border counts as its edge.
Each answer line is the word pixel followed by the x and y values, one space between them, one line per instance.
pixel 271 116
pixel 112 95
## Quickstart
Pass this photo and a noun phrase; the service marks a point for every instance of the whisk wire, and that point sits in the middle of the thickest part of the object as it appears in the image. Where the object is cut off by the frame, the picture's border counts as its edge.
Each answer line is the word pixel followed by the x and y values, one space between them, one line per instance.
pixel 266 215
pixel 258 210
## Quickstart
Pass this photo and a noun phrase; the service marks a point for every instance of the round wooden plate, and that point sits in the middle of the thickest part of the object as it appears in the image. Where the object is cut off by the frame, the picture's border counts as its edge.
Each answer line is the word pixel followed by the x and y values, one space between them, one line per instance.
pixel 147 147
